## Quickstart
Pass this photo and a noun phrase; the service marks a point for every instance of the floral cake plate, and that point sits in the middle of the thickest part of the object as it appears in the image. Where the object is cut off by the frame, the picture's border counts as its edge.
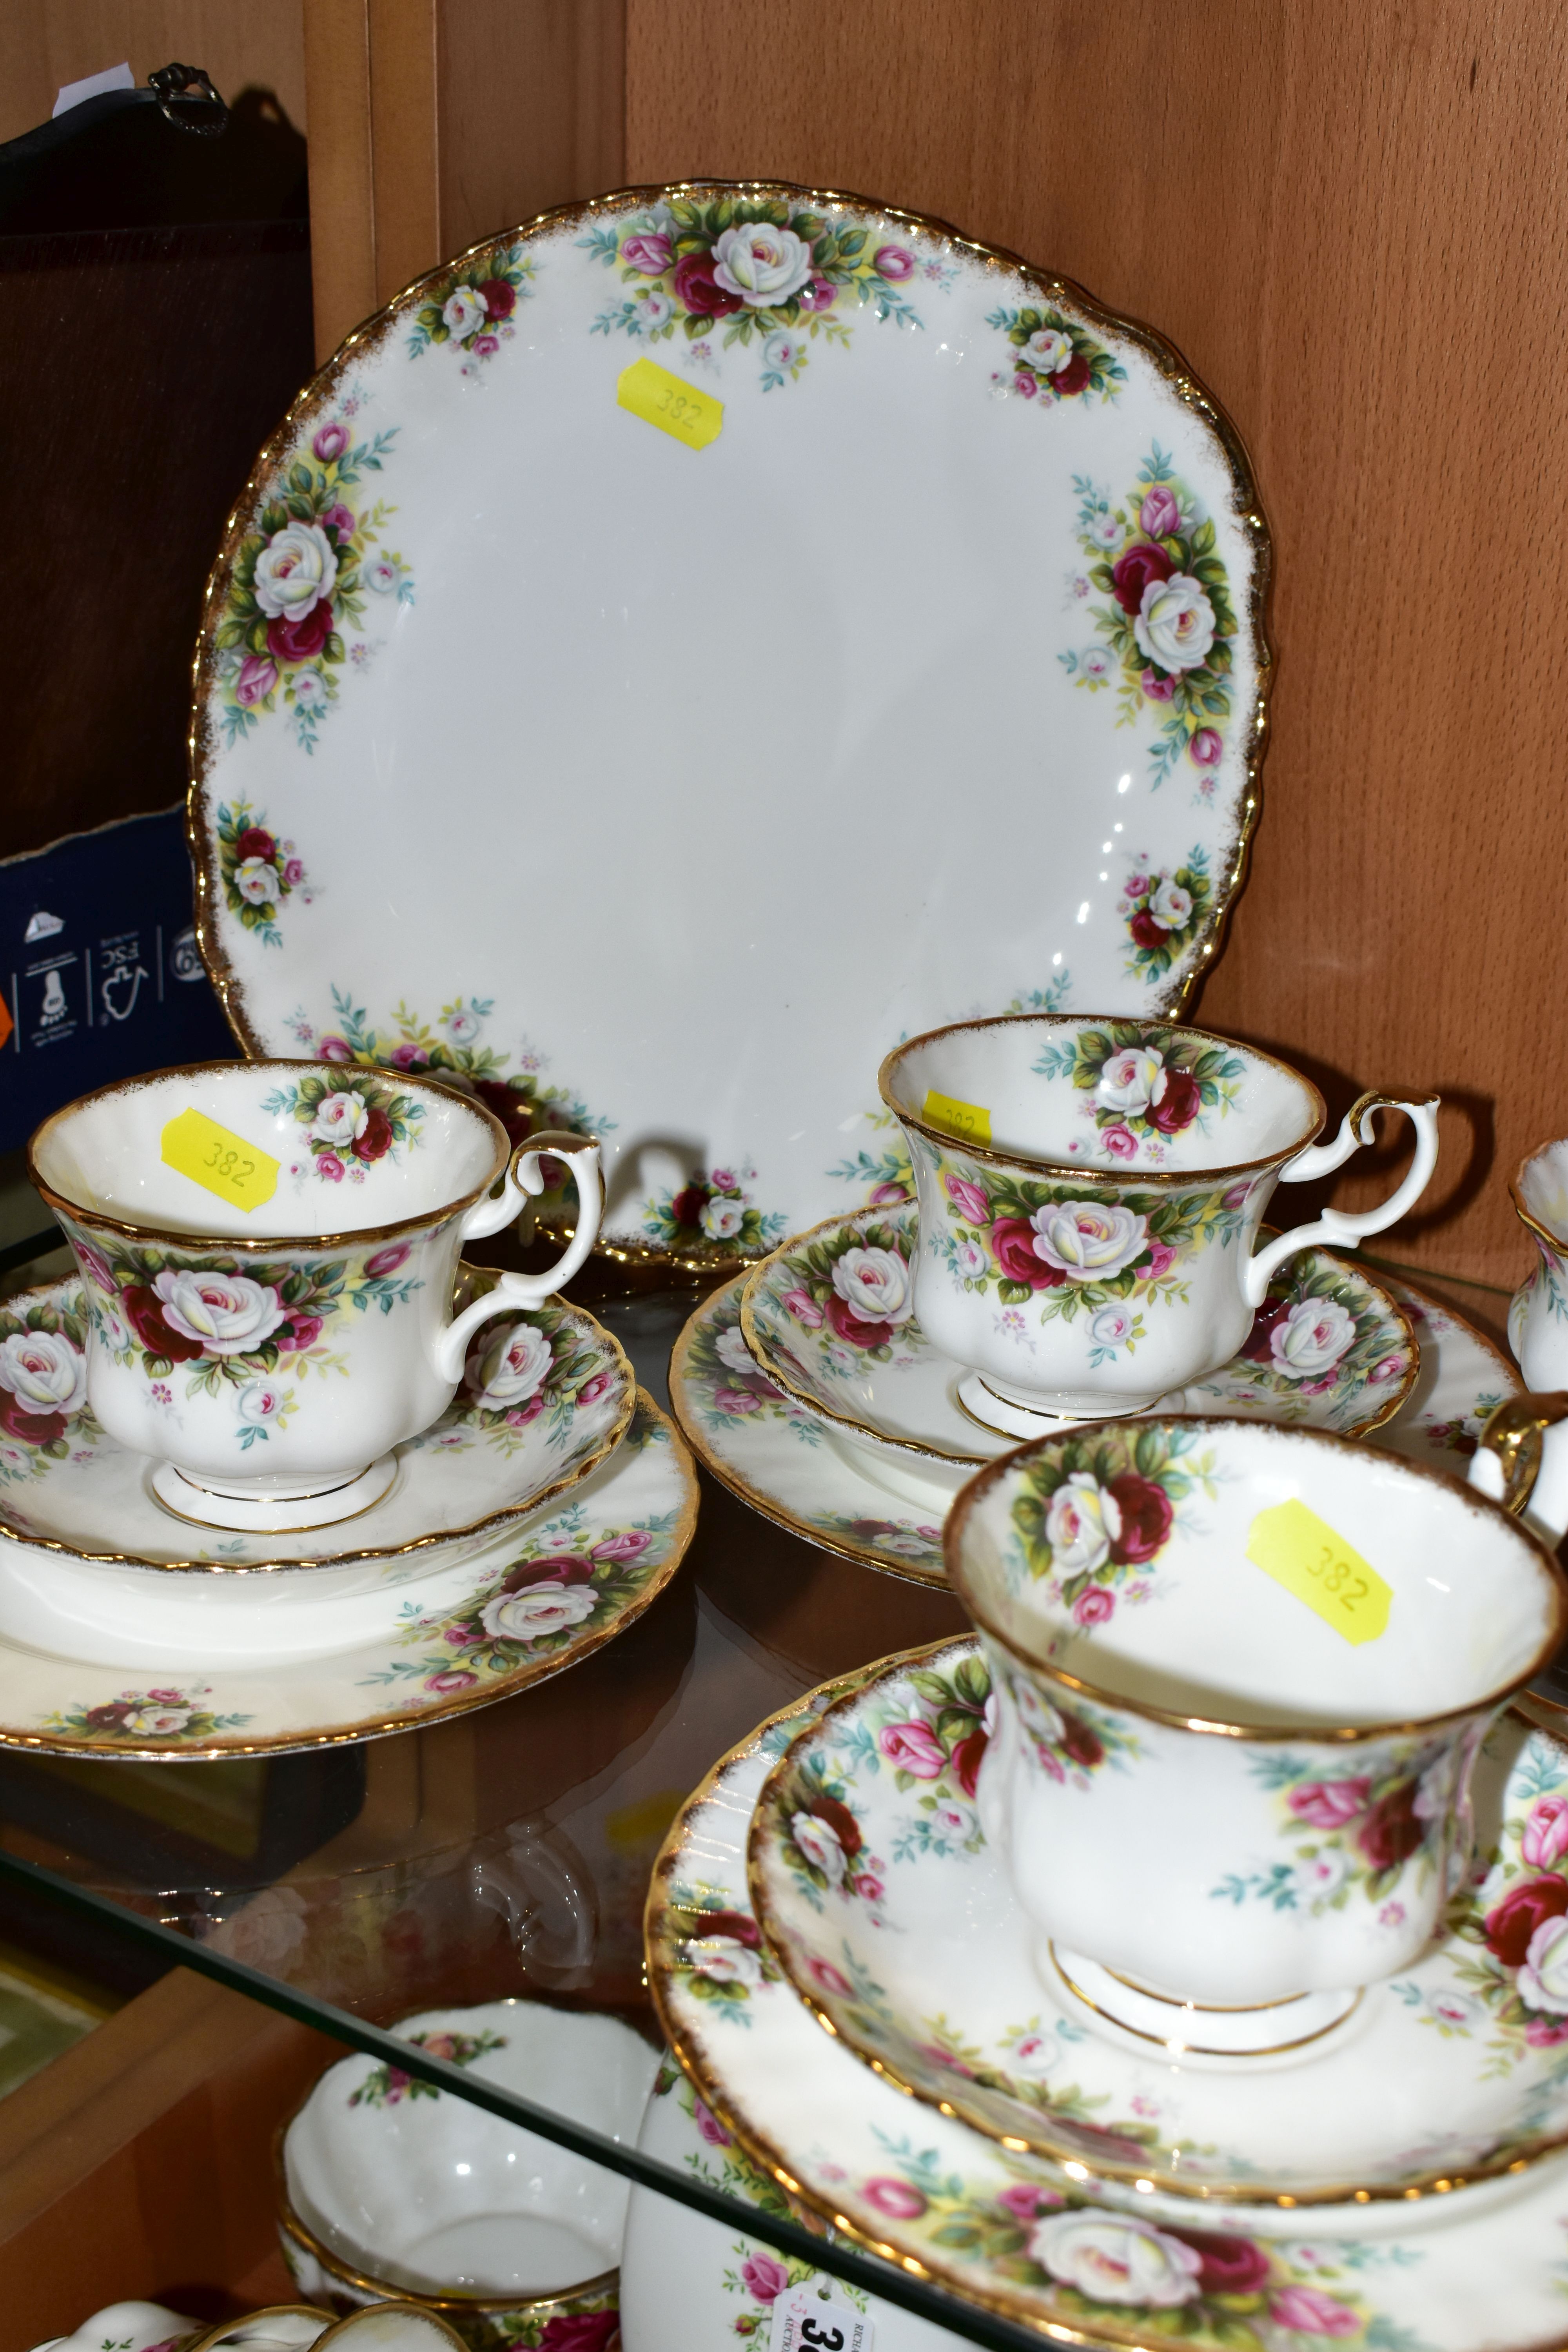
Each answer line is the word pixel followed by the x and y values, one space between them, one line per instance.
pixel 546 1395
pixel 560 1589
pixel 1027 546
pixel 796 1469
pixel 876 1892
pixel 830 1318
pixel 1049 2244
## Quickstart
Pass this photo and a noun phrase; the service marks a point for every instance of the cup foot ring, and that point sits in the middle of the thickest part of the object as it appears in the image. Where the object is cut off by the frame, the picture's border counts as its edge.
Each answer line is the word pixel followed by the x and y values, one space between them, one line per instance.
pixel 1197 2029
pixel 995 1410
pixel 257 1512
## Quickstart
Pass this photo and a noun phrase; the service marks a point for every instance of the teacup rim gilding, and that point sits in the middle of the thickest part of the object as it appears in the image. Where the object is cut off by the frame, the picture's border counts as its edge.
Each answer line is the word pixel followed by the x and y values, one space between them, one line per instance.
pixel 1064 1171
pixel 1335 1735
pixel 270 1244
pixel 1527 1216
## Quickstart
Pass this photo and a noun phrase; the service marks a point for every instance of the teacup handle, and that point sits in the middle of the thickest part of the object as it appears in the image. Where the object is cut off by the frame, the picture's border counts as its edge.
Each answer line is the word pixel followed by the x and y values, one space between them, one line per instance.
pixel 1320 1160
pixel 523 1181
pixel 1522 1466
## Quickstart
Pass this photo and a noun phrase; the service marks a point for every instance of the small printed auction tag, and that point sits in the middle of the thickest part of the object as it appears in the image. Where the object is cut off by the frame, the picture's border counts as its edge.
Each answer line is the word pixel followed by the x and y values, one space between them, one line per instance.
pixel 805 2321
pixel 1303 1553
pixel 957 1118
pixel 677 408
pixel 225 1163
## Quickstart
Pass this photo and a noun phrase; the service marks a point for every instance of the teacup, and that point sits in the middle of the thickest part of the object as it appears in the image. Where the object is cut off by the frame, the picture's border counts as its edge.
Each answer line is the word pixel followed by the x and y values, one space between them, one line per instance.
pixel 1090 1192
pixel 268 1252
pixel 1538 1318
pixel 1241 1673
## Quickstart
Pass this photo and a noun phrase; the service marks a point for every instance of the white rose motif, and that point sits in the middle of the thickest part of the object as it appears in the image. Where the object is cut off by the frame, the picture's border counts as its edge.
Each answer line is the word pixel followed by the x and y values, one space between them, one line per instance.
pixel 1105 531
pixel 1095 663
pixel 537 1610
pixel 256 881
pixel 1542 1982
pixel 260 1401
pixel 733 1354
pixel 340 1117
pixel 1089 1243
pixel 970 1260
pixel 1311 1338
pixel 45 1371
pixel 782 351
pixel 819 1843
pixel 1037 1715
pixel 1131 1080
pixel 1172 907
pixel 874 1284
pixel 1112 1327
pixel 462 1027
pixel 294 570
pixel 510 1368
pixel 383 575
pixel 161 1720
pixel 1049 351
pixel 1321 1875
pixel 1116 2260
pixel 724 1958
pixel 227 1313
pixel 763 265
pixel 1174 627
pixel 1458 2011
pixel 1083 1522
pixel 309 688
pixel 654 310
pixel 464 313
pixel 112 1328
pixel 721 1219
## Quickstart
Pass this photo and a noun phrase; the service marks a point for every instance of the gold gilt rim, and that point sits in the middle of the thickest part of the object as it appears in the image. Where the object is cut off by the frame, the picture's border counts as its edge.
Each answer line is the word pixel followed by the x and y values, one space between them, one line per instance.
pixel 1291 1735
pixel 1125 1179
pixel 388 1720
pixel 841 1691
pixel 225 2331
pixel 1556 1242
pixel 767 1505
pixel 495 1519
pixel 263 1245
pixel 372 331
pixel 771 1369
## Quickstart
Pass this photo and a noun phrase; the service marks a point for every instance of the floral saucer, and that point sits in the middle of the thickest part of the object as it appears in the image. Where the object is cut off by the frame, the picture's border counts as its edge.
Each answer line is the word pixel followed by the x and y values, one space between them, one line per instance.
pixel 830 1318
pixel 547 1395
pixel 557 1590
pixel 795 1468
pixel 1043 2242
pixel 874 1885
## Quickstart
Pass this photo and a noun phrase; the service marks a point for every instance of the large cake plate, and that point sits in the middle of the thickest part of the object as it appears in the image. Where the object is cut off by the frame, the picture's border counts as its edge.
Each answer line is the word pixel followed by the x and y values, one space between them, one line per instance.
pixel 692 640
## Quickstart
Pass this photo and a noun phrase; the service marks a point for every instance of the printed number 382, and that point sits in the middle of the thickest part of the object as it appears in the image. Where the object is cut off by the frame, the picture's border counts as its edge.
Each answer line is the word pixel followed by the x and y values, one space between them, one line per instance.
pixel 1340 1578
pixel 682 409
pixel 820 2339
pixel 229 1165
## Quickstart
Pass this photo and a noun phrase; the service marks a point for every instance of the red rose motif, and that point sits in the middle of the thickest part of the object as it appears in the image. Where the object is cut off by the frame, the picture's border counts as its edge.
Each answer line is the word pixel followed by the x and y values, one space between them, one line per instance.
pixel 1257 1347
pixel 1145 1517
pixel 556 1568
pixel 967 1758
pixel 1146 931
pixel 579 2331
pixel 144 1310
pixel 1512 1922
pixel 1013 1243
pixel 696 289
pixel 1073 378
pixel 1393 1831
pixel 498 298
pixel 374 1138
pixel 851 1326
pixel 687 1206
pixel 510 1108
pixel 1079 1742
pixel 296 641
pixel 1131 575
pixel 735 1924
pixel 107 1718
pixel 28 1428
pixel 1178 1106
pixel 254 843
pixel 840 1820
pixel 1230 2265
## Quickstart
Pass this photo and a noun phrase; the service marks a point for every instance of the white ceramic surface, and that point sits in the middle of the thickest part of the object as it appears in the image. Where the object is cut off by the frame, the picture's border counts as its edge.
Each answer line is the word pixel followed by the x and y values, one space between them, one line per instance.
pixel 1537 1318
pixel 268 1351
pixel 393 2185
pixel 581 656
pixel 152 2327
pixel 1091 1193
pixel 1198 1630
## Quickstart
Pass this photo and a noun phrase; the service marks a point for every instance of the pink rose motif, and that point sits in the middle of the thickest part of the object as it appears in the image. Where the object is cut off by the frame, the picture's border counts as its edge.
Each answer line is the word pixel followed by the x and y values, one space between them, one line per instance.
pixel 804 1307
pixel 914 1748
pixel 1389 1368
pixel 1545 1839
pixel 333 1049
pixel 1157 685
pixel 631 1545
pixel 895 262
pixel 650 251
pixel 338 518
pixel 1545 2033
pixel 257 678
pixel 1136 884
pixel 968 1199
pixel 300 1331
pixel 1093 1606
pixel 1159 514
pixel 457 1637
pixel 293 872
pixel 408 1057
pixel 485 346
pixel 1313 2313
pixel 817 294
pixel 592 1391
pixel 894 2197
pixel 329 1165
pixel 765 2277
pixel 872 1889
pixel 1237 1196
pixel 1024 383
pixel 1206 749
pixel 829 1978
pixel 1120 1141
pixel 522 1414
pixel 451 1679
pixel 1161 1256
pixel 737 1400
pixel 387 1261
pixel 1331 1804
pixel 1027 2203
pixel 329 442
pixel 889 1196
pixel 93 1261
pixel 168 1697
pixel 724 1180
pixel 709 2125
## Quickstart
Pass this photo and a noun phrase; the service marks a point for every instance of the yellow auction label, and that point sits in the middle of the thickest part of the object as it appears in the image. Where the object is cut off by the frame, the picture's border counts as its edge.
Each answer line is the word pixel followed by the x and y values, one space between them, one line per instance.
pixel 1303 1553
pixel 955 1117
pixel 678 409
pixel 225 1163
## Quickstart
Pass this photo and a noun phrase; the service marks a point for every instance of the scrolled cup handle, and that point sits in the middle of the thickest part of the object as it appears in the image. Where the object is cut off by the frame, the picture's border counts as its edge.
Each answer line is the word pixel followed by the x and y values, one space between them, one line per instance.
pixel 1344 1226
pixel 1521 1465
pixel 523 1181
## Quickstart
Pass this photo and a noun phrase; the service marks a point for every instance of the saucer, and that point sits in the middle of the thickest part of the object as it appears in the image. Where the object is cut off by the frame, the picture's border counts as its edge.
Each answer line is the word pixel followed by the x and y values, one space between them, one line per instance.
pixel 874 1886
pixel 1037 2241
pixel 547 1396
pixel 1330 1348
pixel 884 1507
pixel 551 1594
